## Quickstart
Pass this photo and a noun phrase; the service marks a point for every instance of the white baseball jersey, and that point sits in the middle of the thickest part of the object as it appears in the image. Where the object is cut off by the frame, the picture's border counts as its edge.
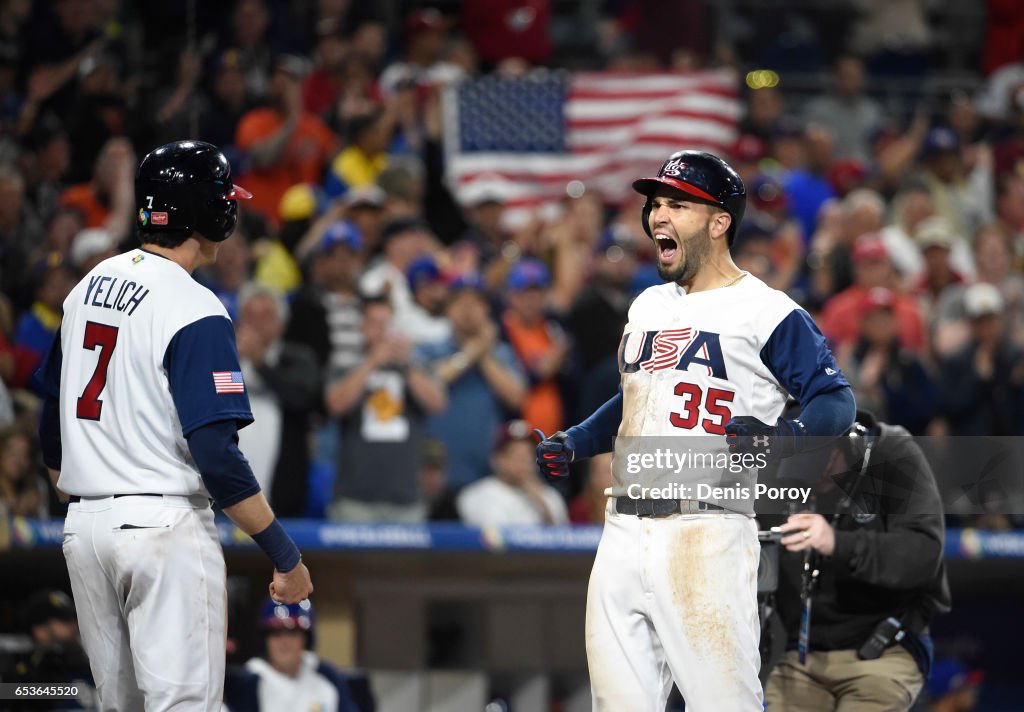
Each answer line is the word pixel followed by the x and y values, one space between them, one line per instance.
pixel 310 691
pixel 691 362
pixel 147 356
pixel 674 598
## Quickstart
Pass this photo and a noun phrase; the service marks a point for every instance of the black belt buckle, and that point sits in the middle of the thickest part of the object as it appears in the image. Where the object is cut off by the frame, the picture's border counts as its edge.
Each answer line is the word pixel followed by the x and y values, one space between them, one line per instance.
pixel 644 507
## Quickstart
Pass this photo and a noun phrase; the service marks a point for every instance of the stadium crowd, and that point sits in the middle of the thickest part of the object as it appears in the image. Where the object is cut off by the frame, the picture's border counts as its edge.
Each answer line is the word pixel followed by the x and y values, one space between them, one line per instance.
pixel 399 345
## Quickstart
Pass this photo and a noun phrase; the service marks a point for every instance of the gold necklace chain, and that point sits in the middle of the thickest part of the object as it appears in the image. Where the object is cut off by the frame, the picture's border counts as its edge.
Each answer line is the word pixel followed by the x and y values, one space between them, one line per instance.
pixel 741 276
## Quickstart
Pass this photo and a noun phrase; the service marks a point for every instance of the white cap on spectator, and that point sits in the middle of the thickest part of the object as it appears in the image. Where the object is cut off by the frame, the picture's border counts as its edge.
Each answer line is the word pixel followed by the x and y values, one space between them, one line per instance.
pixel 982 299
pixel 369 196
pixel 489 188
pixel 935 231
pixel 89 243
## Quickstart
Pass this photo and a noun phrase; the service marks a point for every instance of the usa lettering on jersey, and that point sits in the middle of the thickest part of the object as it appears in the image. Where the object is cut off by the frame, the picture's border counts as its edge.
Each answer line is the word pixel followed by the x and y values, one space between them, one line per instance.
pixel 658 350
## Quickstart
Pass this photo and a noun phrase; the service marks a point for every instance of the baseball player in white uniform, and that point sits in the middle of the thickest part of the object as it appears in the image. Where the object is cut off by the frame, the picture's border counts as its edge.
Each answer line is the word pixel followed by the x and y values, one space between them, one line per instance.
pixel 144 398
pixel 707 361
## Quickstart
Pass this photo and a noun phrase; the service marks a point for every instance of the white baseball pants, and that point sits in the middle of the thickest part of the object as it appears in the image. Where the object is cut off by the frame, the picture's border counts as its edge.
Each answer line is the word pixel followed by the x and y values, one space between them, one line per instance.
pixel 675 598
pixel 148 579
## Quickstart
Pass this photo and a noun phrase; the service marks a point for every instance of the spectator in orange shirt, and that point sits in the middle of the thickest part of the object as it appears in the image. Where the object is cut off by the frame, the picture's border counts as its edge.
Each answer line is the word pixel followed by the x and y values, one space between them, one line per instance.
pixel 539 343
pixel 842 315
pixel 283 143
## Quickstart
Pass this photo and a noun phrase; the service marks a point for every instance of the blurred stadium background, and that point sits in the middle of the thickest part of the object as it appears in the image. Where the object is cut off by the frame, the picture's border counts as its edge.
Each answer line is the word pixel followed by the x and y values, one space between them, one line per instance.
pixel 467 164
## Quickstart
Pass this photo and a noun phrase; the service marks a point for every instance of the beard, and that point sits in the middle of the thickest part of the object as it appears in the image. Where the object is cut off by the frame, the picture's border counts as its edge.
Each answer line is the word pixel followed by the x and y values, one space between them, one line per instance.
pixel 697 248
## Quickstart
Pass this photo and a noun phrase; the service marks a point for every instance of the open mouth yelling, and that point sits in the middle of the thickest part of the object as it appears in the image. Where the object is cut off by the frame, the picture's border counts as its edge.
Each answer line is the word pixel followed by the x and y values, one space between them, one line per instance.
pixel 667 248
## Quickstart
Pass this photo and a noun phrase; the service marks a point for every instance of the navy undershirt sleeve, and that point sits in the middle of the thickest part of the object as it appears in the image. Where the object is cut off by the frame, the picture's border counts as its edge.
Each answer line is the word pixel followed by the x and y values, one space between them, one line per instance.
pixel 194 355
pixel 596 434
pixel 224 469
pixel 829 414
pixel 49 420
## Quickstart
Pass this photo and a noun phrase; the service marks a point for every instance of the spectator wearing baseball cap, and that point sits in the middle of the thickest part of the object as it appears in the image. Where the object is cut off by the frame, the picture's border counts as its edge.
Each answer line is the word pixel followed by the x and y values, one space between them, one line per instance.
pixel 425 321
pixel 57 655
pixel 887 379
pixel 326 313
pixel 768 207
pixel 982 383
pixel 402 240
pixel 841 316
pixel 964 196
pixel 539 342
pixel 90 247
pixel 484 202
pixel 936 240
pixel 483 376
pixel 364 208
pixel 514 493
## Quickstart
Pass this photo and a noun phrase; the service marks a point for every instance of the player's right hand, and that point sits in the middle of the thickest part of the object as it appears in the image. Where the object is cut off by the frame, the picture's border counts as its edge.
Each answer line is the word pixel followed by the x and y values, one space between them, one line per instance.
pixel 291 587
pixel 555 453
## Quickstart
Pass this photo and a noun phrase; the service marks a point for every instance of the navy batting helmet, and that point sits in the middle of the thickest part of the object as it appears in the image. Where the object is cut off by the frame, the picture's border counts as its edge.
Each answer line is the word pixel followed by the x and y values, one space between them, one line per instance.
pixel 288 616
pixel 702 176
pixel 183 188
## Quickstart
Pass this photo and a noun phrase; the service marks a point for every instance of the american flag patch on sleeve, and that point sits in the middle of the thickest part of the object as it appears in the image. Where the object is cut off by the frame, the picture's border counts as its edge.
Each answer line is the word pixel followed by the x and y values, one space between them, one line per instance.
pixel 228 382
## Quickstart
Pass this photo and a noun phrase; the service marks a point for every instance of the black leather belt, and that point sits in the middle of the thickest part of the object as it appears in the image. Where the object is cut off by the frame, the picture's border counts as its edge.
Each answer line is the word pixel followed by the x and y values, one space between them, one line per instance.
pixel 662 507
pixel 75 498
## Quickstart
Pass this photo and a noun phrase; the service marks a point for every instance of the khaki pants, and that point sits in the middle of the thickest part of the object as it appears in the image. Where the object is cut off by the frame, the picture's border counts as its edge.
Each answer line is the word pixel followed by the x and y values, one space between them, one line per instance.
pixel 838 681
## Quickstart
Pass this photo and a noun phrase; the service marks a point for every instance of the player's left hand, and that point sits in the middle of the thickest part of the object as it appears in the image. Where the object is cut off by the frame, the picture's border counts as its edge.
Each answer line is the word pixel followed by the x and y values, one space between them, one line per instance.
pixel 293 586
pixel 808 531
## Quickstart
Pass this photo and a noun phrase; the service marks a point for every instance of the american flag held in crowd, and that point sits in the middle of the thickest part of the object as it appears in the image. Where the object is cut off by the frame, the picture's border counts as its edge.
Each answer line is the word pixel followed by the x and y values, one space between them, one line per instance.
pixel 526 139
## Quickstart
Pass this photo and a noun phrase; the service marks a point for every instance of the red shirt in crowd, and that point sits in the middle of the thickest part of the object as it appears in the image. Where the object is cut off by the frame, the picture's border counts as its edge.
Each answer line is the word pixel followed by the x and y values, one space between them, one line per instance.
pixel 840 319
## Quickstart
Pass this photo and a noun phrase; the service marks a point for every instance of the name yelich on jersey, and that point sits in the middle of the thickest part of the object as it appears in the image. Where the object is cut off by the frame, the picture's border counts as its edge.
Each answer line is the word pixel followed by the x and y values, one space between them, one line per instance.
pixel 113 293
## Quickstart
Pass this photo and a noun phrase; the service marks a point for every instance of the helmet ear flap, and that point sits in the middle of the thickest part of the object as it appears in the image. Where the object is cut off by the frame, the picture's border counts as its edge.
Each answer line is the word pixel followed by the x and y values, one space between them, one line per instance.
pixel 645 215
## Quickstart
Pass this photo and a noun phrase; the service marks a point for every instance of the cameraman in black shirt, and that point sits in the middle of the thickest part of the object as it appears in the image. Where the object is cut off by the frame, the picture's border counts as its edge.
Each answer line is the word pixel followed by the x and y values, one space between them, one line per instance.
pixel 862 578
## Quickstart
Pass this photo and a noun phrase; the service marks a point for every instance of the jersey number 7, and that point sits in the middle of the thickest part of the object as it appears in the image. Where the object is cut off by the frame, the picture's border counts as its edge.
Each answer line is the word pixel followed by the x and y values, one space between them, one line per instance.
pixel 103 336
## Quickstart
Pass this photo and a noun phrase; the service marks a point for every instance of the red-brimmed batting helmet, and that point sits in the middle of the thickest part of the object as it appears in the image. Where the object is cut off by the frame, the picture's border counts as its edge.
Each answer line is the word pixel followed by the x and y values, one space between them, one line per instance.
pixel 704 177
